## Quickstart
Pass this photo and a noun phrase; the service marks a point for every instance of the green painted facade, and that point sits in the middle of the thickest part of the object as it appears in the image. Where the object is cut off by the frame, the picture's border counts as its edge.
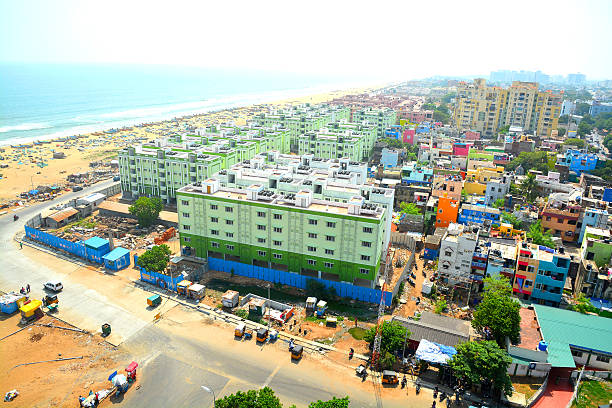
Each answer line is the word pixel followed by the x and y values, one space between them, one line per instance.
pixel 338 140
pixel 382 118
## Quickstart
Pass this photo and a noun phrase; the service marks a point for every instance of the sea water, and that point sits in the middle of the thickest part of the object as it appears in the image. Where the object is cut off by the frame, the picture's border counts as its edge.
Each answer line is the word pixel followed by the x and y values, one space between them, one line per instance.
pixel 42 101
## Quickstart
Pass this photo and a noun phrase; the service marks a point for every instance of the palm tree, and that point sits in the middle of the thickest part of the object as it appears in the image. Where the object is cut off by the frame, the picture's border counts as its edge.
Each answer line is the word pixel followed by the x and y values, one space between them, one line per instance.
pixel 529 187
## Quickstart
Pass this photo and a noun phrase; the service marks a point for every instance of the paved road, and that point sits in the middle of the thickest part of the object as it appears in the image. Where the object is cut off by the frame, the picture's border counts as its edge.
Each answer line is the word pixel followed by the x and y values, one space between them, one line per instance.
pixel 175 363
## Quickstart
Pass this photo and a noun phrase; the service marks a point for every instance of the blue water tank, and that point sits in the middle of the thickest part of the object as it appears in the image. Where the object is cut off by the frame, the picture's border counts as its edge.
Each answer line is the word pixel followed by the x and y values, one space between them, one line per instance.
pixel 542 346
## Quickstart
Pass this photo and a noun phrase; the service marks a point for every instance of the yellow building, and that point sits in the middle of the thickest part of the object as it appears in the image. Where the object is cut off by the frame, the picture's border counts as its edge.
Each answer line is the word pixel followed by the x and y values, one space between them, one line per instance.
pixel 487 108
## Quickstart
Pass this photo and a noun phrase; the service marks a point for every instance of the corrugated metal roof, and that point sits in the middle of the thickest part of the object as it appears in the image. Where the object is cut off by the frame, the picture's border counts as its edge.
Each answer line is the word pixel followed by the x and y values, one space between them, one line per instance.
pixel 115 254
pixel 440 329
pixel 561 328
pixel 95 242
pixel 63 214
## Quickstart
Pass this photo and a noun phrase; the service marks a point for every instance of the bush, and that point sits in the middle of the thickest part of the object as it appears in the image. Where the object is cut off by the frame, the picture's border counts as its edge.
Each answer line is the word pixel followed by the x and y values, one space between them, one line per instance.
pixel 357 332
pixel 440 305
pixel 243 314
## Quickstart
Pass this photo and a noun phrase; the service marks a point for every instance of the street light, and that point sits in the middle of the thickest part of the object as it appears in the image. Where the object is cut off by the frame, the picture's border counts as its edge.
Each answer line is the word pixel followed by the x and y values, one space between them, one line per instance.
pixel 209 390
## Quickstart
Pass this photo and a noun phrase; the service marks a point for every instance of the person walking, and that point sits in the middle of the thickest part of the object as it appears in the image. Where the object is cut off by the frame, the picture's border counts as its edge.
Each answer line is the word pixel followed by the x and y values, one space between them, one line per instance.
pixel 28 288
pixel 20 244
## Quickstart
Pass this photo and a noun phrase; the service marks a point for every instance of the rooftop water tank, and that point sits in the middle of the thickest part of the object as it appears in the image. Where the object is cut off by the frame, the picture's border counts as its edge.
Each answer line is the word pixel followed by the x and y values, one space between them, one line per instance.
pixel 542 346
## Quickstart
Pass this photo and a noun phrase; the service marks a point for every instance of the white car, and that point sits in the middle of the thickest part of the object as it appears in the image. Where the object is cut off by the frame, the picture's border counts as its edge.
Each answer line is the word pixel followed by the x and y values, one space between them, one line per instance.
pixel 55 286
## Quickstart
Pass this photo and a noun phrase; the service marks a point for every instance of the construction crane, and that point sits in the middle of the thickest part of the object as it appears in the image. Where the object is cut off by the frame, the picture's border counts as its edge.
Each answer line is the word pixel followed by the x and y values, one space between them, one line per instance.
pixel 381 310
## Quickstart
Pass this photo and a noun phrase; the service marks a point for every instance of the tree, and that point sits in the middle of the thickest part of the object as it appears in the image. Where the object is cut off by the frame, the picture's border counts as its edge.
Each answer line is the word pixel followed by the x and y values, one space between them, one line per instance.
pixel 537 160
pixel 482 362
pixel 497 315
pixel 332 403
pixel 575 142
pixel 262 398
pixel 504 130
pixel 539 236
pixel 582 109
pixel 441 305
pixel 499 203
pixel 146 210
pixel 603 169
pixel 392 337
pixel 510 218
pixel 392 142
pixel 561 132
pixel 529 187
pixel 583 305
pixel 409 208
pixel 155 259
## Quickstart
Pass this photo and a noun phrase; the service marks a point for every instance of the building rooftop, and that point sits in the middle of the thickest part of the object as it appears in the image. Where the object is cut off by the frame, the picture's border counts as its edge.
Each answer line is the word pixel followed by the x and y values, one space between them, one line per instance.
pixel 61 215
pixel 562 328
pixel 441 329
pixel 530 335
pixel 95 242
pixel 116 254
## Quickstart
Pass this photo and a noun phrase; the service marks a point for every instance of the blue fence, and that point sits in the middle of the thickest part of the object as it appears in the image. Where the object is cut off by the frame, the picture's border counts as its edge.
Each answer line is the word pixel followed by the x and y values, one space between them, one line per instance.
pixel 299 281
pixel 74 248
pixel 158 279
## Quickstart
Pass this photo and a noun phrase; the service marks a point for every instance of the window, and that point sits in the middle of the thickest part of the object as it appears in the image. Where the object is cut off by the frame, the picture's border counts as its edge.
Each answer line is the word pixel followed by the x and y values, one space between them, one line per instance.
pixel 184 202
pixel 278 216
pixel 261 227
pixel 560 220
pixel 590 255
pixel 367 230
pixel 186 215
pixel 229 209
pixel 538 286
pixel 187 239
pixel 312 235
pixel 229 222
pixel 312 222
pixel 186 227
pixel 311 262
pixel 214 219
pixel 548 218
pixel 364 271
pixel 366 244
pixel 214 232
pixel 278 229
pixel 229 247
pixel 331 224
pixel 330 238
pixel 214 244
pixel 329 252
pixel 261 214
pixel 448 253
pixel 229 234
pixel 277 243
pixel 603 359
pixel 213 206
pixel 312 249
pixel 577 353
pixel 328 265
pixel 528 283
pixel 261 240
pixel 365 257
pixel 261 253
pixel 277 256
pixel 530 268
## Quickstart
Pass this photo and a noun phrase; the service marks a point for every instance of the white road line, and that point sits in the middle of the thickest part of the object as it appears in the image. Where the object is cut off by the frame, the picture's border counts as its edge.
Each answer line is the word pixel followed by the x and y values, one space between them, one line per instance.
pixel 267 382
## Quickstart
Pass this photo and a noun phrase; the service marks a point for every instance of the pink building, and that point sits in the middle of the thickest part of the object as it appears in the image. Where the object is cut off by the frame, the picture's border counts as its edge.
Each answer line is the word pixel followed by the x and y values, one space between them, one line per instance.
pixel 461 149
pixel 409 136
pixel 471 135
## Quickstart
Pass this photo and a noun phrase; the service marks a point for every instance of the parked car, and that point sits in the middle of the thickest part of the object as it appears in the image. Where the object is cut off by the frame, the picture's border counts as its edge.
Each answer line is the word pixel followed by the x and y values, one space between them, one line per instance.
pixel 116 178
pixel 77 188
pixel 55 286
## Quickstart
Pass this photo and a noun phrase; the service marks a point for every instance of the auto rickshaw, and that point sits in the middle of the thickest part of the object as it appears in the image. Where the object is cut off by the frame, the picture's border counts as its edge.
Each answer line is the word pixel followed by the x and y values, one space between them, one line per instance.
pixel 239 330
pixel 130 371
pixel 262 335
pixel 296 352
pixel 389 377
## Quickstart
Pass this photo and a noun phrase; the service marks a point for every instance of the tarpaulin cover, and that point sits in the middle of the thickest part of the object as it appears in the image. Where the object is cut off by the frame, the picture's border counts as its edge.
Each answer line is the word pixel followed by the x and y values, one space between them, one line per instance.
pixel 434 352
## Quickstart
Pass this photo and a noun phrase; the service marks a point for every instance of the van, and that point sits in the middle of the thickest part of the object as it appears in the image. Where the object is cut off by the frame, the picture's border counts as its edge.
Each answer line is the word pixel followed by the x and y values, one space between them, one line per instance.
pixel 55 286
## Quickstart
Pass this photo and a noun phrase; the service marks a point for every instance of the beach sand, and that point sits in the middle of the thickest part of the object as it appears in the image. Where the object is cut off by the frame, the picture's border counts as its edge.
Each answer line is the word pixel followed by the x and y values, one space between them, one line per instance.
pixel 24 171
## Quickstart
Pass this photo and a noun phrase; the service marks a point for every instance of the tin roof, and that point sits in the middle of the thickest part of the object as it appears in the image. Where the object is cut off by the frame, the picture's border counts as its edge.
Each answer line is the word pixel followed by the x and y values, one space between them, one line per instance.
pixel 441 329
pixel 115 254
pixel 564 328
pixel 63 214
pixel 95 242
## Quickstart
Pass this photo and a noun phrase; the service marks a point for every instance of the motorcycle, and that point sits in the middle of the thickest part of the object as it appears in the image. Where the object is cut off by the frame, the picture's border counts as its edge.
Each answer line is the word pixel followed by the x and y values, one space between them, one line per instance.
pixel 442 396
pixel 351 352
pixel 404 381
pixel 417 387
pixel 15 217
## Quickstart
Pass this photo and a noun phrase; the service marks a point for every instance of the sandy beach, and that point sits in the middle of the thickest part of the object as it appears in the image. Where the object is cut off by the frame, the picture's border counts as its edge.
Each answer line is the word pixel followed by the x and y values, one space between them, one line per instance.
pixel 33 166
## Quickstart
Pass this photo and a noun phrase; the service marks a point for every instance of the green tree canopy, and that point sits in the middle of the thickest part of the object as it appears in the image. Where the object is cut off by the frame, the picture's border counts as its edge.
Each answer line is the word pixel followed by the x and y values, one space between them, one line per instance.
pixel 155 259
pixel 575 142
pixel 561 132
pixel 332 403
pixel 392 337
pixel 604 168
pixel 537 160
pixel 262 398
pixel 392 142
pixel 529 187
pixel 539 236
pixel 497 315
pixel 478 362
pixel 582 109
pixel 583 305
pixel 499 203
pixel 510 218
pixel 146 210
pixel 504 129
pixel 409 208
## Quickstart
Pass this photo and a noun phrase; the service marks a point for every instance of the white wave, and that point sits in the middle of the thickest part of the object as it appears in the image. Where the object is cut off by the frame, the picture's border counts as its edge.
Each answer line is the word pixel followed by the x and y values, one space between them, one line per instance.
pixel 24 126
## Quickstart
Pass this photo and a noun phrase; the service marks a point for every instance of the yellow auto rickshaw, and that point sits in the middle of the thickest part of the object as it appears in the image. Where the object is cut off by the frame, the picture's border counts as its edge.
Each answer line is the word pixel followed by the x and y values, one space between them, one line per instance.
pixel 296 352
pixel 239 330
pixel 262 335
pixel 389 377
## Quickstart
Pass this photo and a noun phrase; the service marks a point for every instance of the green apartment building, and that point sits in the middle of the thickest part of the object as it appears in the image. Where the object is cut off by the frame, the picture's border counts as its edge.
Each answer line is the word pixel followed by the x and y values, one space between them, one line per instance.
pixel 167 164
pixel 382 118
pixel 281 213
pixel 302 119
pixel 337 140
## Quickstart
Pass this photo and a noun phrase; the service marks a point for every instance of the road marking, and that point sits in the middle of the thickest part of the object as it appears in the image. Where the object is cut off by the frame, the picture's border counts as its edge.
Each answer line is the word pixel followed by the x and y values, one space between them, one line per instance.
pixel 267 382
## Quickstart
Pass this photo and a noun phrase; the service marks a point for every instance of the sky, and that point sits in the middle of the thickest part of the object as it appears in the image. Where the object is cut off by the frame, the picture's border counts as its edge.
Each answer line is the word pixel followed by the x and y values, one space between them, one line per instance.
pixel 389 40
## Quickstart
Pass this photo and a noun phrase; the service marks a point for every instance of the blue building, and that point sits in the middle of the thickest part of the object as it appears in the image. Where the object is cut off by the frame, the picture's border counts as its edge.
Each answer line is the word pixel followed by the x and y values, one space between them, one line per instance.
pixel 117 259
pixel 600 107
pixel 593 217
pixel 478 214
pixel 552 271
pixel 395 131
pixel 578 161
pixel 389 158
pixel 607 195
pixel 423 128
pixel 413 174
pixel 96 248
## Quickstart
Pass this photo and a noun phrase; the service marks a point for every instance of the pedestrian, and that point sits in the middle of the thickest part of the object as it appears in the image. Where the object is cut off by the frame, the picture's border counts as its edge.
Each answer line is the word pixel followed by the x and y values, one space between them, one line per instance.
pixel 20 244
pixel 22 291
pixel 28 287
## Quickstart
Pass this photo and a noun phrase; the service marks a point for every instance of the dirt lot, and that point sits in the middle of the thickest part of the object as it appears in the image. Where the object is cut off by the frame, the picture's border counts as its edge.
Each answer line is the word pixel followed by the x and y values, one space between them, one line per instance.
pixel 53 384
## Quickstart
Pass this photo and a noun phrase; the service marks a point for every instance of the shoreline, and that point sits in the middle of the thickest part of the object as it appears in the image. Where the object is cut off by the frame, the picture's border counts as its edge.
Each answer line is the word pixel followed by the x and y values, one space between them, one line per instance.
pixel 32 164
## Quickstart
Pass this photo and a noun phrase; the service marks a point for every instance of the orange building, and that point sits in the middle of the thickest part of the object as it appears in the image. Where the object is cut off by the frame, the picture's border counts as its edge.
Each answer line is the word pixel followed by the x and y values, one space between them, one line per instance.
pixel 561 220
pixel 448 209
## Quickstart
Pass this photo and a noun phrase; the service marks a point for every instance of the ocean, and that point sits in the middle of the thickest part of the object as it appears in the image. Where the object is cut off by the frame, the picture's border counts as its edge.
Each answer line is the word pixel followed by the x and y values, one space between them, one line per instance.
pixel 45 101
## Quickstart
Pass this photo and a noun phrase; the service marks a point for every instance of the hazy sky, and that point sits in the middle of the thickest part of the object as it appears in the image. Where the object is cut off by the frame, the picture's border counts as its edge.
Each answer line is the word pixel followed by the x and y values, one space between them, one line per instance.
pixel 390 40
